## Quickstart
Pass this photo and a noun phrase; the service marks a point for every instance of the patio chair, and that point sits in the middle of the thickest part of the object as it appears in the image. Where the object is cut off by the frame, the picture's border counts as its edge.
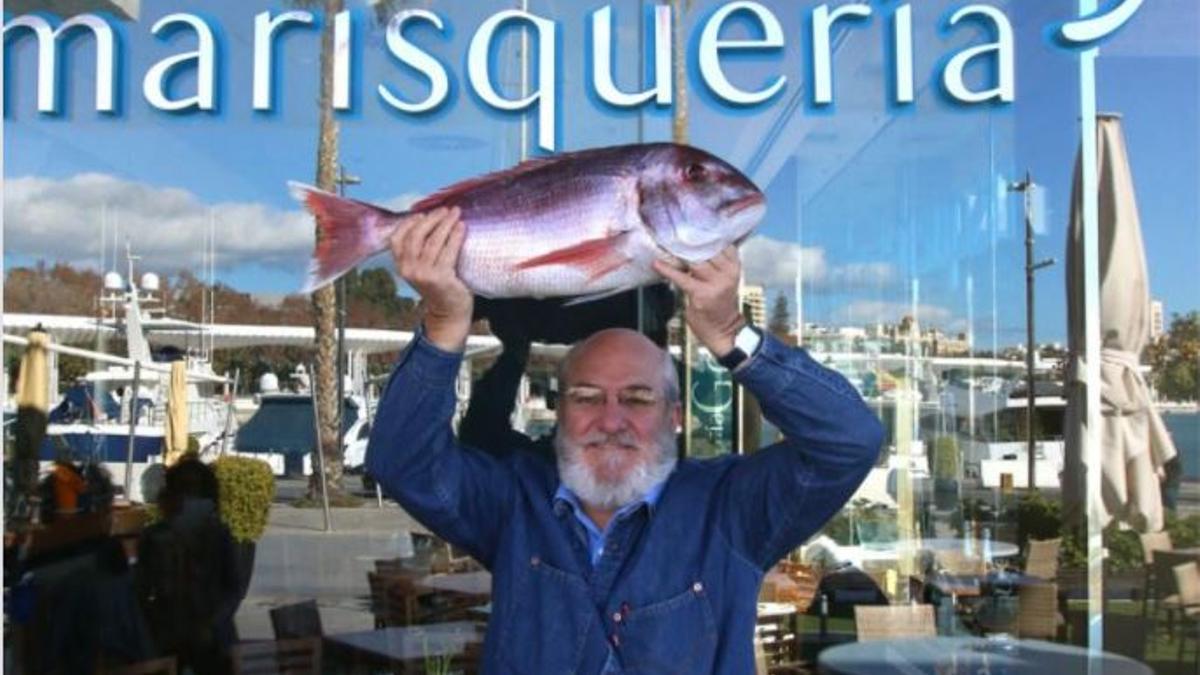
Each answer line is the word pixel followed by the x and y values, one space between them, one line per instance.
pixel 1151 542
pixel 1187 582
pixel 1037 611
pixel 299 620
pixel 396 600
pixel 1166 594
pixel 301 656
pixel 884 622
pixel 1042 561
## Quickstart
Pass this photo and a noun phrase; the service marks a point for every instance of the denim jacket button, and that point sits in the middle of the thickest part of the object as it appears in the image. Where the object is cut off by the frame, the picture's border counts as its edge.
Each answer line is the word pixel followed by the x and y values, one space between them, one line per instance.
pixel 697 587
pixel 535 561
pixel 617 617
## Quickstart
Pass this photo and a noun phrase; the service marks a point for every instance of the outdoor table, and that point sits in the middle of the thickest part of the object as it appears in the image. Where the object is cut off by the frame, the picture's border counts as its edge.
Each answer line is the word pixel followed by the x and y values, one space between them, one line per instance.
pixel 465 583
pixel 968 656
pixel 403 646
pixel 775 609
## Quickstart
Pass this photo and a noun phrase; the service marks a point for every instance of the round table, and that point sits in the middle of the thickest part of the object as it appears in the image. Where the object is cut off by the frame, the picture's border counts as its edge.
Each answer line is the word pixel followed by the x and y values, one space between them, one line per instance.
pixel 968 656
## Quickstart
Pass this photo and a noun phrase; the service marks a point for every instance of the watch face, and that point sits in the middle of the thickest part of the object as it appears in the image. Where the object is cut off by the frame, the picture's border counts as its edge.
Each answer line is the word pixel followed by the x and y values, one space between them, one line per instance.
pixel 733 359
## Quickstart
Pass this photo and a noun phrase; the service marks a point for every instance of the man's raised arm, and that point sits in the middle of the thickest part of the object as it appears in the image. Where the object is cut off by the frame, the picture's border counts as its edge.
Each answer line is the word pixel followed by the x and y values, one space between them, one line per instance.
pixel 777 497
pixel 460 493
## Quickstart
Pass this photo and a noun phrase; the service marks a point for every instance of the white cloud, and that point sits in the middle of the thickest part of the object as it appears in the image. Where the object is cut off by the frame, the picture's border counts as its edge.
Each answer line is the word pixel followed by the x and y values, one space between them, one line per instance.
pixel 61 220
pixel 774 264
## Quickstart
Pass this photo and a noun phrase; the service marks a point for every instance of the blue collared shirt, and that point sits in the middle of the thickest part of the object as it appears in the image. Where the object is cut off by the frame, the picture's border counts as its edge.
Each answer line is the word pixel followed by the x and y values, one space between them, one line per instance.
pixel 595 538
pixel 675 589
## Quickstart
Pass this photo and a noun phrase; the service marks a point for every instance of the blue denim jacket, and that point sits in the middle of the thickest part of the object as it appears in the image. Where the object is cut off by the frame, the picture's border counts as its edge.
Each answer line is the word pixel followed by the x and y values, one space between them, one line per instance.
pixel 676 586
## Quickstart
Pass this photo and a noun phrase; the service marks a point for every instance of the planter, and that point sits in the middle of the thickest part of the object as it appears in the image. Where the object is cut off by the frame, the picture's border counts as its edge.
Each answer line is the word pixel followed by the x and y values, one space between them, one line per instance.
pixel 244 556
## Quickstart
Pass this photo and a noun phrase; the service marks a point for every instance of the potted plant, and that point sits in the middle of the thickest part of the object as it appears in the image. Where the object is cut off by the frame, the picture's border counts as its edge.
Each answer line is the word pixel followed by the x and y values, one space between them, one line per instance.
pixel 945 473
pixel 247 487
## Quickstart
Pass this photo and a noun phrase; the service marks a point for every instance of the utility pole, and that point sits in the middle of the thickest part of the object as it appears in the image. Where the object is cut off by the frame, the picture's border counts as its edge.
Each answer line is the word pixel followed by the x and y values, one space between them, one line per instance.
pixel 1027 188
pixel 343 179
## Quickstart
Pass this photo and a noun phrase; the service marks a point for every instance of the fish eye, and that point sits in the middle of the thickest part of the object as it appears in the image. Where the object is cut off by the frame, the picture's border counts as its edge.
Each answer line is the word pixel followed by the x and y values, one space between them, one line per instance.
pixel 695 172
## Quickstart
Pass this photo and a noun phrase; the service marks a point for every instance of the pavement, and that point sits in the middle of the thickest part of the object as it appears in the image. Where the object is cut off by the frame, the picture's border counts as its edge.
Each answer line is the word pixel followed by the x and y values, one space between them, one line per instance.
pixel 297 559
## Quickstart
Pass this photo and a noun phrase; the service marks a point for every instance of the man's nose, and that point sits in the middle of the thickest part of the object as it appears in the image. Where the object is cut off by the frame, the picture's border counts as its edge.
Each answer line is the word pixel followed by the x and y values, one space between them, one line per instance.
pixel 612 418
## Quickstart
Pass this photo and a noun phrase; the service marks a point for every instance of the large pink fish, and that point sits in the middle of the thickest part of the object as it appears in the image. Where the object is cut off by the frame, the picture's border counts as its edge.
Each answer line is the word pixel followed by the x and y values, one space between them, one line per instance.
pixel 581 223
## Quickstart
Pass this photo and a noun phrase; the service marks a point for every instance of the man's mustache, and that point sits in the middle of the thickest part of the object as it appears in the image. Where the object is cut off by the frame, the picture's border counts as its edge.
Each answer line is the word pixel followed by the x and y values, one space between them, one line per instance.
pixel 623 439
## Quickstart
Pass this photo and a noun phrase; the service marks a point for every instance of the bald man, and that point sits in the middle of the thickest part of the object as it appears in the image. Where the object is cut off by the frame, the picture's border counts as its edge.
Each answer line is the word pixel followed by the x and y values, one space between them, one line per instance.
pixel 613 556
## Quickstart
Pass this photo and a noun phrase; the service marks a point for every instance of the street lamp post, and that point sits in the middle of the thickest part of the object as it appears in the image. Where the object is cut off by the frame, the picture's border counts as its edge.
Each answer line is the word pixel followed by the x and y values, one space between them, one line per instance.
pixel 1027 188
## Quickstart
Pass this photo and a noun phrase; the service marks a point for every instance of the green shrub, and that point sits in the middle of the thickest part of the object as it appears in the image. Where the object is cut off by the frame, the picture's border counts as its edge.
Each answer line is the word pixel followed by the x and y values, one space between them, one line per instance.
pixel 945 457
pixel 1185 532
pixel 247 488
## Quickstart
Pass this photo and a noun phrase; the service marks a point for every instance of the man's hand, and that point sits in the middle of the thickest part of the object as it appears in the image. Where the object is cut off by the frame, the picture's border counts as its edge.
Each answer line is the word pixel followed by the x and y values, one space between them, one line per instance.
pixel 712 298
pixel 425 250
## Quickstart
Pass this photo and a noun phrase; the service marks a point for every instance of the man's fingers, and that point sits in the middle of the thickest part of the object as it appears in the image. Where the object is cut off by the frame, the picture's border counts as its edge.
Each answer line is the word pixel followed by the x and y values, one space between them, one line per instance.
pixel 705 271
pixel 454 241
pixel 432 249
pixel 678 277
pixel 414 239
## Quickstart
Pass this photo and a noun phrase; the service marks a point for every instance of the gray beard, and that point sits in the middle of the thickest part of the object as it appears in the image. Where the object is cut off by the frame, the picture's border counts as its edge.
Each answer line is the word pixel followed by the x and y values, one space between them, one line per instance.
pixel 578 478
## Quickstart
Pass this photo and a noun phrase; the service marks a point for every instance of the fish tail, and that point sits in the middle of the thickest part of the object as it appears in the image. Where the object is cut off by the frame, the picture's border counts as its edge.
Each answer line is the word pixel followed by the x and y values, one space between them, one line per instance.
pixel 348 232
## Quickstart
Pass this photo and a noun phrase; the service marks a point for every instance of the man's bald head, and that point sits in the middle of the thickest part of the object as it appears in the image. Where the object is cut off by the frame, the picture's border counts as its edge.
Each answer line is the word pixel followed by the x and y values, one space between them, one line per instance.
pixel 626 344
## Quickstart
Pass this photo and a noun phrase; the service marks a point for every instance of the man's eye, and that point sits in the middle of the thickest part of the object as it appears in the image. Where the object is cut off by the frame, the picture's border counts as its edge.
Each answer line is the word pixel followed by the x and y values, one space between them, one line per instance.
pixel 637 400
pixel 584 398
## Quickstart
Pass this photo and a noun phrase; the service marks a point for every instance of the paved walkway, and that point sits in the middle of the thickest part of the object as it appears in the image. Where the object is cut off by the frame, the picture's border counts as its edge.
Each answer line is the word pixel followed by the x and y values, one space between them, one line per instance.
pixel 297 560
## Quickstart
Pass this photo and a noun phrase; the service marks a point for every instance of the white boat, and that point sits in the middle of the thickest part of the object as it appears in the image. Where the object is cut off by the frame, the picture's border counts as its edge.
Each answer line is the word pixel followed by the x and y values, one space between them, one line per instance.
pixel 115 415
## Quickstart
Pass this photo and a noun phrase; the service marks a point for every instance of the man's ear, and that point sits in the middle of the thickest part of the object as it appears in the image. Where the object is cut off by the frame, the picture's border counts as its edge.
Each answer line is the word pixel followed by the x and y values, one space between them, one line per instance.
pixel 677 417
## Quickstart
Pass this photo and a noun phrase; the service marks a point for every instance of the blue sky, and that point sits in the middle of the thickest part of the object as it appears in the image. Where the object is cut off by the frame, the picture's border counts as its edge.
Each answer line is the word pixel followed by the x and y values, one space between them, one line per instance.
pixel 885 208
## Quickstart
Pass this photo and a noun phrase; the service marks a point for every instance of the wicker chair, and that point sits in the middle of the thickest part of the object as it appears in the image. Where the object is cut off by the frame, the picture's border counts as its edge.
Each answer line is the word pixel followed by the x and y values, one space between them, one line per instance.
pixel 1151 542
pixel 1037 611
pixel 1166 595
pixel 1042 561
pixel 884 622
pixel 1187 582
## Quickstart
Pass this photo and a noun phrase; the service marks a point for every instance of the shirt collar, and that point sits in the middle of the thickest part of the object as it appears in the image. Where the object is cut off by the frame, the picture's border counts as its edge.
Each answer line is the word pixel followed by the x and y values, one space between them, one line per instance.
pixel 563 497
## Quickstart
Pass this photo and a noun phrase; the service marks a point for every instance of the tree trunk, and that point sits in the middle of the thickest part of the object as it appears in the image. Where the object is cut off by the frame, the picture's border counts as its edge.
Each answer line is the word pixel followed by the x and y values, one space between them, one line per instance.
pixel 323 301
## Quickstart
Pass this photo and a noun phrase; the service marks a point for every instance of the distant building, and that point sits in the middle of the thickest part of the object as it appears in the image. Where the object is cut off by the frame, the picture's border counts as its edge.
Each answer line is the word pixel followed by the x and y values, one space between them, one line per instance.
pixel 754 296
pixel 1157 327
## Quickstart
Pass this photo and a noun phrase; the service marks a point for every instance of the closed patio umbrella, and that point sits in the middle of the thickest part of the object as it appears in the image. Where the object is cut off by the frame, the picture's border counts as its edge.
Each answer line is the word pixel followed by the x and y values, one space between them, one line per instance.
pixel 1134 442
pixel 33 404
pixel 175 438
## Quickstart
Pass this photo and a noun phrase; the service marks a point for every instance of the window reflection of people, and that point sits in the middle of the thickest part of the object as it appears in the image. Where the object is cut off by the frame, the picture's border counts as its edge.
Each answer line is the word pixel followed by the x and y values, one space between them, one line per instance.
pixel 612 555
pixel 187 570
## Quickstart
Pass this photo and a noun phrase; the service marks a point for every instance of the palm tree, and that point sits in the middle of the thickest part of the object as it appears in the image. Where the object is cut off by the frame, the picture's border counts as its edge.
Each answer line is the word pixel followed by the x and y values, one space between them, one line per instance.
pixel 324 303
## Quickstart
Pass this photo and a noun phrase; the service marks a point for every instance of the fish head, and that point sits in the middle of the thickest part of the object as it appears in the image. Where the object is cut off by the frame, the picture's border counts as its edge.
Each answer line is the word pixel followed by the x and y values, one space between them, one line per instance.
pixel 696 204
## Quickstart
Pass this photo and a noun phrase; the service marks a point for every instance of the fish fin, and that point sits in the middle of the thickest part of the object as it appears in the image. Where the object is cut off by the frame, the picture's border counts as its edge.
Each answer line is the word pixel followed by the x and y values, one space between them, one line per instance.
pixel 348 232
pixel 597 256
pixel 593 297
pixel 451 192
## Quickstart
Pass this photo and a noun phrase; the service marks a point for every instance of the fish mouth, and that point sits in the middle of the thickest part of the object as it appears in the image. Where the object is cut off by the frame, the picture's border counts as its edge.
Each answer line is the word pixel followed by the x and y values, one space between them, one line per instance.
pixel 736 206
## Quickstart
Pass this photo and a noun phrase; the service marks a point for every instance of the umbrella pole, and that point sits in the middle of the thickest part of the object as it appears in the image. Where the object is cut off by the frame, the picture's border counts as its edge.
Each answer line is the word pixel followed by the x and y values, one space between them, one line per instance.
pixel 237 375
pixel 133 400
pixel 320 463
